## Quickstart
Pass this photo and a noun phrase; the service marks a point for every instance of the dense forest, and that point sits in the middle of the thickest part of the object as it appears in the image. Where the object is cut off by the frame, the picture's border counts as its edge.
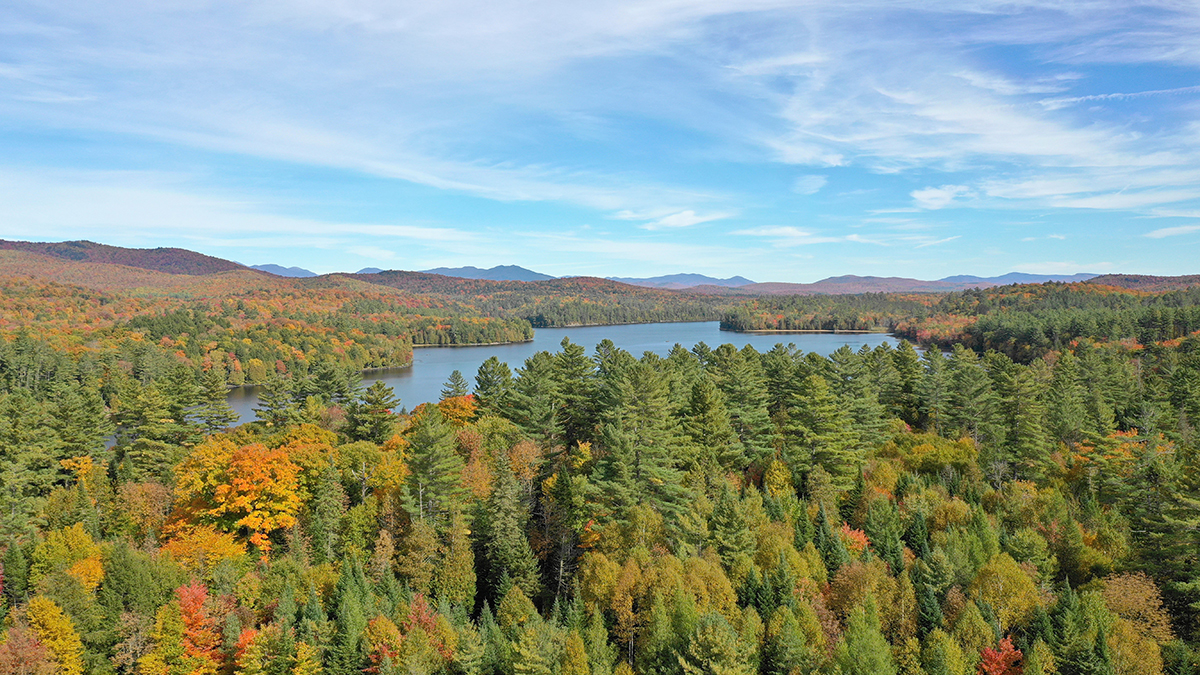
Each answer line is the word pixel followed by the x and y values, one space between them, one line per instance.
pixel 1021 321
pixel 726 511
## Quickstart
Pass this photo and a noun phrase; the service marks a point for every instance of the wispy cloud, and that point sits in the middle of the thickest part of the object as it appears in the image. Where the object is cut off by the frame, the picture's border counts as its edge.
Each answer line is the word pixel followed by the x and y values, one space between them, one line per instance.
pixel 809 185
pixel 938 197
pixel 1173 231
pixel 686 218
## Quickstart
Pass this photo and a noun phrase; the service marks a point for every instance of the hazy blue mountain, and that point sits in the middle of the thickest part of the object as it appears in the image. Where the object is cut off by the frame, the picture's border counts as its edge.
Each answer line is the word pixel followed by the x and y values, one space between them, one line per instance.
pixel 676 281
pixel 369 270
pixel 497 273
pixel 281 271
pixel 1018 278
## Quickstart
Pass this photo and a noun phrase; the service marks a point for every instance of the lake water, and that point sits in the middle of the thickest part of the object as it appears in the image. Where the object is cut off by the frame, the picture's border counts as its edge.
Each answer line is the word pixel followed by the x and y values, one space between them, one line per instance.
pixel 432 365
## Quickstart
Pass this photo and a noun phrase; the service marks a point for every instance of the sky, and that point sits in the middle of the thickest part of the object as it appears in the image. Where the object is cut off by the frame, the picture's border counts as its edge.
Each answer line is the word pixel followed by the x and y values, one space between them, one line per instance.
pixel 780 141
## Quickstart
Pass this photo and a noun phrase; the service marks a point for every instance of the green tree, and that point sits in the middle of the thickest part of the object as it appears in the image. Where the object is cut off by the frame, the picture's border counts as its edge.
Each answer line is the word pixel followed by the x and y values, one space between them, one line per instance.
pixel 434 482
pixel 369 417
pixel 455 386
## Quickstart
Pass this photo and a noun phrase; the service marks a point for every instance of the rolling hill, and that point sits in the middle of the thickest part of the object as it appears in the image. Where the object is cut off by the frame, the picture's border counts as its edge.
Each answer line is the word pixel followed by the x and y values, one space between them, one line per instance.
pixel 167 260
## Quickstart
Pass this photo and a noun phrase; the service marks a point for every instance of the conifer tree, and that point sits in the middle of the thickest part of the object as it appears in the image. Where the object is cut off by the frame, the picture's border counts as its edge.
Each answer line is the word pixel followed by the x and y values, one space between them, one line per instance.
pixel 819 433
pixel 741 382
pixel 213 410
pixel 434 482
pixel 369 416
pixel 865 651
pixel 455 386
pixel 706 423
pixel 506 546
pixel 492 383
pixel 574 379
pixel 934 391
pixel 533 401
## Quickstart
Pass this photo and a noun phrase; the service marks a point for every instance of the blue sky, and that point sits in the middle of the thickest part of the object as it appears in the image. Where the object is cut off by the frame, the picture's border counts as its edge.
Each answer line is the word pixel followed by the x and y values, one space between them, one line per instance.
pixel 782 141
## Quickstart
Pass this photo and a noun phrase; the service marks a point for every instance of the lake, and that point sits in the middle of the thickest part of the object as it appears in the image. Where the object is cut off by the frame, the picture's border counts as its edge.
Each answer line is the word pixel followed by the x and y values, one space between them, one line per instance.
pixel 432 365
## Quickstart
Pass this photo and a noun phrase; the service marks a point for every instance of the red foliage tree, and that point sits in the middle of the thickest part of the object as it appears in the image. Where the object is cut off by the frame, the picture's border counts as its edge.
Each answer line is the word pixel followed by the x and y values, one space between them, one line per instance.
pixel 1004 660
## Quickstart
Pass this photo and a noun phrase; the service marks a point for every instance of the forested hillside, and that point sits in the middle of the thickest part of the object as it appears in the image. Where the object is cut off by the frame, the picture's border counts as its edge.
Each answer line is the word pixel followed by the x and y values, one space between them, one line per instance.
pixel 715 511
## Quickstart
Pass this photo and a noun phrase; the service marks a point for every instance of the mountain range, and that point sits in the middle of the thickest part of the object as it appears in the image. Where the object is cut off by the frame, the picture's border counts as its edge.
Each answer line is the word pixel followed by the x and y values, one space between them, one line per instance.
pixel 682 281
pixel 281 271
pixel 176 270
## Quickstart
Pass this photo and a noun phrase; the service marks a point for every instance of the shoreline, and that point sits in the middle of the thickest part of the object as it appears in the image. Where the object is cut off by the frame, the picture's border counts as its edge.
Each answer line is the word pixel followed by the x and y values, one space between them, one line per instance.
pixel 767 331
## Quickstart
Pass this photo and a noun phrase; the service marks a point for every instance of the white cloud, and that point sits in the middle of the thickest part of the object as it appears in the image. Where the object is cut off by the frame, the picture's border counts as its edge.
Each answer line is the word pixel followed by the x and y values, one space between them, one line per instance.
pixel 1173 231
pixel 786 235
pixel 940 197
pixel 939 241
pixel 808 185
pixel 683 219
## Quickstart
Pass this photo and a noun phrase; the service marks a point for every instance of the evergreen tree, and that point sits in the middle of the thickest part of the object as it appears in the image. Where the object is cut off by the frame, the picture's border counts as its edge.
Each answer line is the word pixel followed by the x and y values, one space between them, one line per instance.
pixel 434 482
pixel 492 382
pixel 934 391
pixel 706 424
pixel 574 380
pixel 455 386
pixel 865 651
pixel 506 546
pixel 741 383
pixel 213 410
pixel 819 433
pixel 533 401
pixel 369 417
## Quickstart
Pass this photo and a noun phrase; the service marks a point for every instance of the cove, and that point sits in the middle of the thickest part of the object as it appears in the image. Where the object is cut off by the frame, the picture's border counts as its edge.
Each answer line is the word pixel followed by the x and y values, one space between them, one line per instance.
pixel 432 365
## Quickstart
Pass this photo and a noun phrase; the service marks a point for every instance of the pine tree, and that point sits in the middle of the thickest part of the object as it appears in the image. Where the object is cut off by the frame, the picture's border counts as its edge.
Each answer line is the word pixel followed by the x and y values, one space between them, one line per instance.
pixel 574 379
pixel 818 433
pixel 277 402
pixel 506 545
pixel 434 483
pixel 492 383
pixel 454 576
pixel 729 533
pixel 369 417
pixel 455 386
pixel 829 543
pixel 533 402
pixel 972 402
pixel 213 410
pixel 741 383
pixel 706 423
pixel 934 391
pixel 639 441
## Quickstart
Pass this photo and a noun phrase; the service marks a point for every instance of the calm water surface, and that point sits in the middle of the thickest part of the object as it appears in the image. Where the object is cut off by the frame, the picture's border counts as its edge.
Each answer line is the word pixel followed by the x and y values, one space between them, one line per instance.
pixel 432 365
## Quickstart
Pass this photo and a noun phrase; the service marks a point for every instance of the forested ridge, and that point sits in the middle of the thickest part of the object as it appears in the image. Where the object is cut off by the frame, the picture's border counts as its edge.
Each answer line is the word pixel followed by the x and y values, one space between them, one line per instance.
pixel 713 511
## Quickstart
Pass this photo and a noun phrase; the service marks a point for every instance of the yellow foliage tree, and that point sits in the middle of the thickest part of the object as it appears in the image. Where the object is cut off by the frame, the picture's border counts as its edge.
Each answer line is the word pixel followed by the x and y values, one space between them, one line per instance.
pixel 1008 589
pixel 70 550
pixel 55 630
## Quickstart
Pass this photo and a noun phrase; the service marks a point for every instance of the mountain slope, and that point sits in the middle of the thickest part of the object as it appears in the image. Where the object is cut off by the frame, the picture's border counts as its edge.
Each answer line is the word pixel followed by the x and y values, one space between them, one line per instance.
pixel 1144 282
pixel 135 280
pixel 168 260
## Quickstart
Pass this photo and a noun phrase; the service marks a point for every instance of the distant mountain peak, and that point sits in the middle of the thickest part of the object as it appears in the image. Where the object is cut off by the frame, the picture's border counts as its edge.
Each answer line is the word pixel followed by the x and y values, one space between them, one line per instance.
pixel 497 273
pixel 281 271
pixel 680 281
